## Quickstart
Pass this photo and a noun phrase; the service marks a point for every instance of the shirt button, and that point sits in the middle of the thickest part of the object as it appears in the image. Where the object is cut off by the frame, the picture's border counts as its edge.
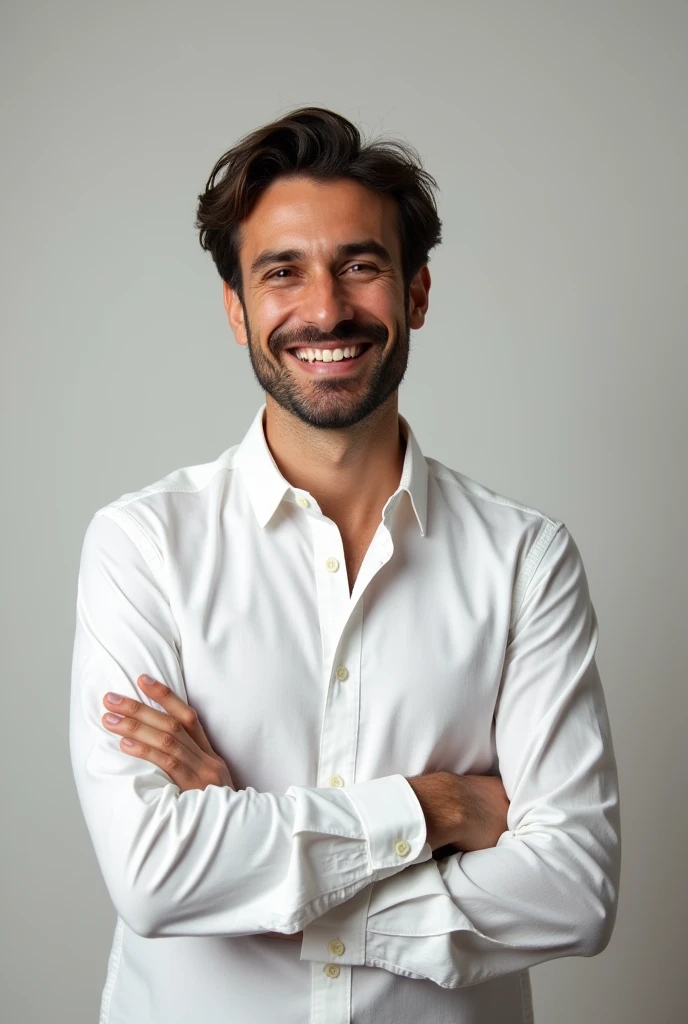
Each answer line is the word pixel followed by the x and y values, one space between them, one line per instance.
pixel 402 847
pixel 331 970
pixel 331 564
pixel 336 947
pixel 337 780
pixel 303 502
pixel 342 673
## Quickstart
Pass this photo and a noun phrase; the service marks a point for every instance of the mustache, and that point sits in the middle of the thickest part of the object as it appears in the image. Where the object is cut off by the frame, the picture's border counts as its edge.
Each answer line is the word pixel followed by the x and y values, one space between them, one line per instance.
pixel 311 336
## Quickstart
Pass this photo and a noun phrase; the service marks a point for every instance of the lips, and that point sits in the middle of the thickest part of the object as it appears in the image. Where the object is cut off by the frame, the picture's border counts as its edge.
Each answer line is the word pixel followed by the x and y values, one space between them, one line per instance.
pixel 332 361
pixel 328 354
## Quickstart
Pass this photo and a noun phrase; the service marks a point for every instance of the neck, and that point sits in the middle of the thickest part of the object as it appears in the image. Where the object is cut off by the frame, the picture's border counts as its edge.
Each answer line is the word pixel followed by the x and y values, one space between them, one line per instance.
pixel 350 472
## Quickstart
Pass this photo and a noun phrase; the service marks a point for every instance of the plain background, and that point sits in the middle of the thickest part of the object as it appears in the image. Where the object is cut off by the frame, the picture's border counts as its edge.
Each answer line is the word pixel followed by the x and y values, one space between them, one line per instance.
pixel 552 368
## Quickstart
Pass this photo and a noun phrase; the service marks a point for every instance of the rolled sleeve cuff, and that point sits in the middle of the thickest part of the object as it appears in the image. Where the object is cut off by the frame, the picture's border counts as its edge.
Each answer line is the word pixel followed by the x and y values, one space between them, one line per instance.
pixel 394 826
pixel 393 822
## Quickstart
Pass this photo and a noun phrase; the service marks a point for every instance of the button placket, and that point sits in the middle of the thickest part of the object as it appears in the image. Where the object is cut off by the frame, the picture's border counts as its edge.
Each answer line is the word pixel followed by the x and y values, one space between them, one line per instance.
pixel 339 738
pixel 340 712
pixel 330 993
pixel 341 626
pixel 378 554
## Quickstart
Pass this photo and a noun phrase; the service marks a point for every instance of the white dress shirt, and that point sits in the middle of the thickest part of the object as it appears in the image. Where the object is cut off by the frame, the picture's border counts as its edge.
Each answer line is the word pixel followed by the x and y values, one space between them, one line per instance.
pixel 468 643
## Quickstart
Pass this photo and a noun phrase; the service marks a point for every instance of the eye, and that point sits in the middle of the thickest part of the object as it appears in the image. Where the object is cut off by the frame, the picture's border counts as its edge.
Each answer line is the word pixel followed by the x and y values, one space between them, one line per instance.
pixel 363 266
pixel 281 270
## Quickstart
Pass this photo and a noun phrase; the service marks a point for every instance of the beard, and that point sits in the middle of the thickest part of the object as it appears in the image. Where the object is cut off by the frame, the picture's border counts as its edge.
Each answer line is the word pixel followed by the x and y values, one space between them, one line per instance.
pixel 338 402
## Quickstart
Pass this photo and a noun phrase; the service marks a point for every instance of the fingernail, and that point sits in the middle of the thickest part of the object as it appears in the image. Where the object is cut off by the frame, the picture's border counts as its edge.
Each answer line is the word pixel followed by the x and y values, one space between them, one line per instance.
pixel 128 743
pixel 148 679
pixel 113 719
pixel 113 698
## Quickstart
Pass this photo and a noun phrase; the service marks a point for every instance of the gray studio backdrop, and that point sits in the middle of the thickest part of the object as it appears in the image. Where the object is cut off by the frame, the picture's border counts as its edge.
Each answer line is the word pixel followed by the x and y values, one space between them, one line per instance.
pixel 552 368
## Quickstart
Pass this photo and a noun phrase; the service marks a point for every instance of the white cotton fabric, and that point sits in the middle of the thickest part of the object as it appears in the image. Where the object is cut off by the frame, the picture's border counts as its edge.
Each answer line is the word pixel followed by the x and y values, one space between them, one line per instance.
pixel 468 644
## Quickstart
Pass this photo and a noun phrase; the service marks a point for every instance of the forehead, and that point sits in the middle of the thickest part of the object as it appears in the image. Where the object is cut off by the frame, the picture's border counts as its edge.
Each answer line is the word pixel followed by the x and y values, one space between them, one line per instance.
pixel 315 216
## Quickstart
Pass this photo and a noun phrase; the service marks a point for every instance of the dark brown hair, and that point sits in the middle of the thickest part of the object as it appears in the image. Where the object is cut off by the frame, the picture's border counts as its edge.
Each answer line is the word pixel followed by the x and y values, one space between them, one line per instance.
pixel 320 144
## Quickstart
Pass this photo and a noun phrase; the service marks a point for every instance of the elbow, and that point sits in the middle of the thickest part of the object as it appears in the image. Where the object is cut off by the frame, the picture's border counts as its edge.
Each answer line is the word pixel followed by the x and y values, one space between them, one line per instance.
pixel 147 906
pixel 592 869
pixel 145 925
pixel 140 913
pixel 596 931
pixel 595 921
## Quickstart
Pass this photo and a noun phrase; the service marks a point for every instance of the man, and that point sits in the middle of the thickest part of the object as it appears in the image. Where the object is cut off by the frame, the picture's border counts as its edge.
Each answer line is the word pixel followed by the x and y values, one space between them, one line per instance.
pixel 370 777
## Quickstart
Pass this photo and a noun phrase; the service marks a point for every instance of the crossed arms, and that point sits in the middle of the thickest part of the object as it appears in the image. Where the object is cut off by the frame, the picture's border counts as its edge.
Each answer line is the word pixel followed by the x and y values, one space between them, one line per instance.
pixel 214 861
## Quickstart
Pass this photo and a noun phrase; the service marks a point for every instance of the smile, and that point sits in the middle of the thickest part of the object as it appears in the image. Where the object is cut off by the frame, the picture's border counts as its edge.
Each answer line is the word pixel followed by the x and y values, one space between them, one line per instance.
pixel 327 355
pixel 331 360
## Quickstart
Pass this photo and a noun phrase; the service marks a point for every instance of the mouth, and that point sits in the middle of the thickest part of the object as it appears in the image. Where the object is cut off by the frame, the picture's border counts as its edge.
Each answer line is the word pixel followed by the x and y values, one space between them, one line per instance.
pixel 330 359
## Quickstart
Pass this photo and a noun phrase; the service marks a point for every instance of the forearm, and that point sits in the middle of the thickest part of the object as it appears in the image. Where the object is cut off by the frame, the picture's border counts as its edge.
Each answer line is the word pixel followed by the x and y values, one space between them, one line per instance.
pixel 541 892
pixel 211 861
pixel 222 862
pixel 462 812
pixel 474 916
pixel 549 886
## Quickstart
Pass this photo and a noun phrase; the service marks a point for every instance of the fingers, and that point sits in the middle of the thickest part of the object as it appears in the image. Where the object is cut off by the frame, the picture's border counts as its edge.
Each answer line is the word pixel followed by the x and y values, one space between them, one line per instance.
pixel 138 716
pixel 178 771
pixel 164 747
pixel 178 708
pixel 172 739
pixel 175 708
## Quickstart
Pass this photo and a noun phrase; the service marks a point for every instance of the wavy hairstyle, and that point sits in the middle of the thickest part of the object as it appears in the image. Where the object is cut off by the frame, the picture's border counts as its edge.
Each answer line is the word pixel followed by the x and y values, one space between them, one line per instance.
pixel 317 143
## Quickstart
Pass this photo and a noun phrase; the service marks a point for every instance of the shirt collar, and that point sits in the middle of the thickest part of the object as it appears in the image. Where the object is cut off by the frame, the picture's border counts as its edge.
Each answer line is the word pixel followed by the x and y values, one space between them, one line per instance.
pixel 267 487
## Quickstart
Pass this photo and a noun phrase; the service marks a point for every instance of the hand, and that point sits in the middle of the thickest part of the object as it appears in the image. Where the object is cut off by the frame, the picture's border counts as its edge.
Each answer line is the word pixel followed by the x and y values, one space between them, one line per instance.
pixel 173 739
pixel 467 811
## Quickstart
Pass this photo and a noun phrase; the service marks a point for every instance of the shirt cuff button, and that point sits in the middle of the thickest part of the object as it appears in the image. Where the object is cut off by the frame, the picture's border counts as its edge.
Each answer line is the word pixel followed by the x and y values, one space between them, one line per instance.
pixel 402 847
pixel 336 947
pixel 331 970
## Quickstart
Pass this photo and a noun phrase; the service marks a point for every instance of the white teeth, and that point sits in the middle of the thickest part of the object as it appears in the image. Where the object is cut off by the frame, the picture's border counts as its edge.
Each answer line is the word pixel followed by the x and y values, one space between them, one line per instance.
pixel 326 355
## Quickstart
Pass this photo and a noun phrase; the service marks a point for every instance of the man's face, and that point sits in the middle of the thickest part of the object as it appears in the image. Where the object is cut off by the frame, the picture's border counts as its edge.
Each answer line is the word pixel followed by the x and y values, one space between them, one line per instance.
pixel 324 315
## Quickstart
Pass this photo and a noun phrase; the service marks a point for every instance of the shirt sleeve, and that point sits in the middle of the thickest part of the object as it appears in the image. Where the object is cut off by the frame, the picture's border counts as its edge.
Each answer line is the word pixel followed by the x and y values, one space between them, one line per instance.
pixel 549 887
pixel 213 861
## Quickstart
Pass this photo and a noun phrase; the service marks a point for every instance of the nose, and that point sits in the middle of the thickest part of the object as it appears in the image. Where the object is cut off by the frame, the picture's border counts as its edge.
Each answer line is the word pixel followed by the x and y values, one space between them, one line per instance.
pixel 324 302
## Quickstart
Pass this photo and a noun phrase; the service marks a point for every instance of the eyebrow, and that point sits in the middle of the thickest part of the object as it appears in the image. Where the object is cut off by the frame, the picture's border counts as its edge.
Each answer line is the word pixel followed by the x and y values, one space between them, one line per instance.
pixel 366 247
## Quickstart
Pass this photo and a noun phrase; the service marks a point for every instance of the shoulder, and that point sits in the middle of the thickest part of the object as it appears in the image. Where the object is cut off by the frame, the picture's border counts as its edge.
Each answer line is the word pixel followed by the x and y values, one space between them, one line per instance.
pixel 510 535
pixel 155 512
pixel 464 492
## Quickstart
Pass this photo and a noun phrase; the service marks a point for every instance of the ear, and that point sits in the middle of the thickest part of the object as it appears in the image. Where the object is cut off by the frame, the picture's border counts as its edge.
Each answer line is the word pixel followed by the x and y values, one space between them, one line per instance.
pixel 235 314
pixel 418 298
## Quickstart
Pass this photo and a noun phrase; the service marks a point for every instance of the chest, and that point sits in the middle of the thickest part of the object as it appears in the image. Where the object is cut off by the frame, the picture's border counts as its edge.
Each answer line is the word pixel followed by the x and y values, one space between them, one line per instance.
pixel 282 661
pixel 355 548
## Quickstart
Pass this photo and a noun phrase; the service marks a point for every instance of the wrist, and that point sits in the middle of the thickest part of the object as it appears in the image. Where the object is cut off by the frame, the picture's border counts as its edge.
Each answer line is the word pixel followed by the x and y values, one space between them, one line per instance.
pixel 442 819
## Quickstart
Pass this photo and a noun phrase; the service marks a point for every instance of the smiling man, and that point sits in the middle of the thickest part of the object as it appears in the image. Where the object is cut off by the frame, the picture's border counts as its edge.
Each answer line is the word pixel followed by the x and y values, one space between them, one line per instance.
pixel 336 726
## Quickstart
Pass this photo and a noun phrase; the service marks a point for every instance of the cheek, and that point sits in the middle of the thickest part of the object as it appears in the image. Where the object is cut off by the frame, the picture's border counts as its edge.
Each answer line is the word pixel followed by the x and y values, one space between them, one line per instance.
pixel 385 302
pixel 272 313
pixel 273 309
